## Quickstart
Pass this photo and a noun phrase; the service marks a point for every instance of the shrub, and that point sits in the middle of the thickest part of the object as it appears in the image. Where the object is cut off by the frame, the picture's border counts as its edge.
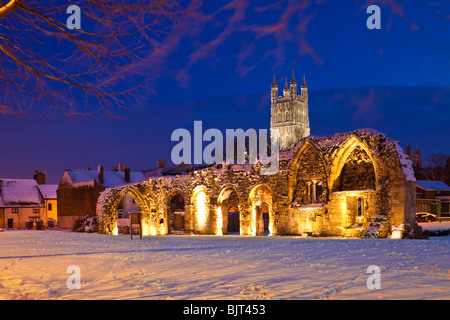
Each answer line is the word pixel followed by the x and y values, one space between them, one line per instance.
pixel 86 224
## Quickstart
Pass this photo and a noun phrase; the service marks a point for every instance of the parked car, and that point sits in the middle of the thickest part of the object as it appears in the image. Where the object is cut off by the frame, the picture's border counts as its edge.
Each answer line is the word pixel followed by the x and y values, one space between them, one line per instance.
pixel 425 217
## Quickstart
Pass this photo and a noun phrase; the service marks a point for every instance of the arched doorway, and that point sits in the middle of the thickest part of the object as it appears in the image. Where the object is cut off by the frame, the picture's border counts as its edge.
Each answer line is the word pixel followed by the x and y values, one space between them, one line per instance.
pixel 260 221
pixel 229 205
pixel 176 214
pixel 128 202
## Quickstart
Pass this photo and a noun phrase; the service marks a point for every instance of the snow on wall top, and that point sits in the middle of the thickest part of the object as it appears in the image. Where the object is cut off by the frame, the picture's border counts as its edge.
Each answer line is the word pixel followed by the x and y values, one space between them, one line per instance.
pixel 19 193
pixel 378 143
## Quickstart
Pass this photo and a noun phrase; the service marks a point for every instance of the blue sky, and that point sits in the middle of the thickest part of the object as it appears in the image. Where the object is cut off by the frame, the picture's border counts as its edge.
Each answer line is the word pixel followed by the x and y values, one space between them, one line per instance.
pixel 217 66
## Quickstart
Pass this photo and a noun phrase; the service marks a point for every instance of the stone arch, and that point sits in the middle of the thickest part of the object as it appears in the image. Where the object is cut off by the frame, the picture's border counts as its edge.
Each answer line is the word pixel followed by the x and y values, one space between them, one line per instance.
pixel 351 146
pixel 108 203
pixel 308 168
pixel 260 197
pixel 175 217
pixel 229 199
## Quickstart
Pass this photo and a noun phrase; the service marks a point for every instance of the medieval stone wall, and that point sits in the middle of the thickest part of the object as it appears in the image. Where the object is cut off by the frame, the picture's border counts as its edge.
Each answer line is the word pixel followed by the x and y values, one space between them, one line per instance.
pixel 325 186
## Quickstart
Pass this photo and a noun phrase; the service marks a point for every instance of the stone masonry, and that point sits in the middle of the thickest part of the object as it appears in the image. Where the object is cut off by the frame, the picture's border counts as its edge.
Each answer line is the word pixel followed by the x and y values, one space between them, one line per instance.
pixel 341 185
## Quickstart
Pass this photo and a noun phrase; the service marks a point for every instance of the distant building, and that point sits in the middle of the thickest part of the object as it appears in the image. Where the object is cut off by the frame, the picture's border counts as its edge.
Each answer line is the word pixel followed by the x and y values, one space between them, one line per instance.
pixel 78 190
pixel 289 113
pixel 433 197
pixel 416 157
pixel 25 199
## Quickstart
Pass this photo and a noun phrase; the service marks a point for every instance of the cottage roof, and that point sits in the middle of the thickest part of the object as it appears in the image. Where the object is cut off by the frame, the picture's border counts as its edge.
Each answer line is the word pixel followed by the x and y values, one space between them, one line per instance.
pixel 48 191
pixel 432 185
pixel 19 193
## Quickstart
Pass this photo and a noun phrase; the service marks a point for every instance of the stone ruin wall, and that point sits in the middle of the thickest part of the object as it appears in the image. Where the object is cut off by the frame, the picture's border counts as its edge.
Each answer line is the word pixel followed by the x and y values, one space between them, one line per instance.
pixel 360 173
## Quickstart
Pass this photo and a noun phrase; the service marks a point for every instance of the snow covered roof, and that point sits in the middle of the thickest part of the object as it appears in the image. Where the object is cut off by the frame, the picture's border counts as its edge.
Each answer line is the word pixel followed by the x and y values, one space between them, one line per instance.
pixel 48 191
pixel 19 193
pixel 111 178
pixel 171 170
pixel 432 185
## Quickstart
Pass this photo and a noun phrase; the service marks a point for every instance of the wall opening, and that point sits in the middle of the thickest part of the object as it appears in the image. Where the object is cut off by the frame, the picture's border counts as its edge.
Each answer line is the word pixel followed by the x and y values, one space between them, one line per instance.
pixel 228 202
pixel 358 172
pixel 261 217
pixel 176 216
pixel 125 206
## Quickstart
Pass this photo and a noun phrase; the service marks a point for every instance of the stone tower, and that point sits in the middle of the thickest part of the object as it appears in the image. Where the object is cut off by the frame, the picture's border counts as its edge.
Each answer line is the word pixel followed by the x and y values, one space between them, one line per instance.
pixel 289 113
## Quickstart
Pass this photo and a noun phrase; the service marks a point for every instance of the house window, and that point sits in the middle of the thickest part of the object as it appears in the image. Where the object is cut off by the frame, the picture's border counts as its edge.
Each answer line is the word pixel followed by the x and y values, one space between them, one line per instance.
pixel 15 210
pixel 35 210
pixel 49 207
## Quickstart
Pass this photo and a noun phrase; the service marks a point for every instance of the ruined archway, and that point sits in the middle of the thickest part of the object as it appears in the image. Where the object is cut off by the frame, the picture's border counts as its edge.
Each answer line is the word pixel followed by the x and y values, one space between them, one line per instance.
pixel 228 204
pixel 308 176
pixel 347 153
pixel 259 208
pixel 176 212
pixel 354 181
pixel 357 173
pixel 109 205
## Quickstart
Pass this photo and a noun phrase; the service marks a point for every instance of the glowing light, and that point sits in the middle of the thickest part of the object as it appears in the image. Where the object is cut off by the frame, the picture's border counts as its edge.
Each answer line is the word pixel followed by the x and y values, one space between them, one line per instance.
pixel 115 231
pixel 219 221
pixel 201 208
pixel 253 230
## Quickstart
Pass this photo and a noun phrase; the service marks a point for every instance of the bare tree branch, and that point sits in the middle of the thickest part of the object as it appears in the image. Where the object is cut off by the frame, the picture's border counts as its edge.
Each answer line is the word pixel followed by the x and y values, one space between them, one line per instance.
pixel 9 7
pixel 98 68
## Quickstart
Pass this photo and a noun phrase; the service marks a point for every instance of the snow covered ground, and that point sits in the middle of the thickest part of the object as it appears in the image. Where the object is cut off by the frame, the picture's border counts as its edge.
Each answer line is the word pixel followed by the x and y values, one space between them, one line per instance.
pixel 33 265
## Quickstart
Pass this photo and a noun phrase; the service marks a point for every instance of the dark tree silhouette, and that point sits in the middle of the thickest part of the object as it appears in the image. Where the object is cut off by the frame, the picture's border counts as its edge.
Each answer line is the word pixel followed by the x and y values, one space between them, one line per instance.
pixel 98 67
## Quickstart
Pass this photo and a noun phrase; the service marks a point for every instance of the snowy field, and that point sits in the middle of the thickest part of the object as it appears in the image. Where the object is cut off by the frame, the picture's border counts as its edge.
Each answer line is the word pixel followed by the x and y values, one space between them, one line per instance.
pixel 33 265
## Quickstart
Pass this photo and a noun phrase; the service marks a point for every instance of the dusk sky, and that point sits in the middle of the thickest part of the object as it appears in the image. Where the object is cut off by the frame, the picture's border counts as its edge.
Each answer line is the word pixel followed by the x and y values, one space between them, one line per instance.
pixel 217 64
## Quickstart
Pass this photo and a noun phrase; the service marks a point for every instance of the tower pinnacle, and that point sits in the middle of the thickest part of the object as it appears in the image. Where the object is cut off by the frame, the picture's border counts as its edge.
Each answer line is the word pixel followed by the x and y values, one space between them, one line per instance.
pixel 274 83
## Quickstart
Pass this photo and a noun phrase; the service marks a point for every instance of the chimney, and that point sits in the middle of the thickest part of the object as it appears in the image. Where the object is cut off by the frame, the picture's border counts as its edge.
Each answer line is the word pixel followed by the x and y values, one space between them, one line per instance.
pixel 161 163
pixel 120 166
pixel 39 176
pixel 127 175
pixel 101 176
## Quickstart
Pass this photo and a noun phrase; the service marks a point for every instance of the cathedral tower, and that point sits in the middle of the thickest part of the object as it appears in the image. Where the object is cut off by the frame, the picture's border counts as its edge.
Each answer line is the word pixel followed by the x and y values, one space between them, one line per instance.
pixel 289 113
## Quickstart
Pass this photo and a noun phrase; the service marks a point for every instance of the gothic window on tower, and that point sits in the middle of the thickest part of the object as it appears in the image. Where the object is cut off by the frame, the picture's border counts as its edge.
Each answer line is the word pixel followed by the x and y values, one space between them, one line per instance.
pixel 287 116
